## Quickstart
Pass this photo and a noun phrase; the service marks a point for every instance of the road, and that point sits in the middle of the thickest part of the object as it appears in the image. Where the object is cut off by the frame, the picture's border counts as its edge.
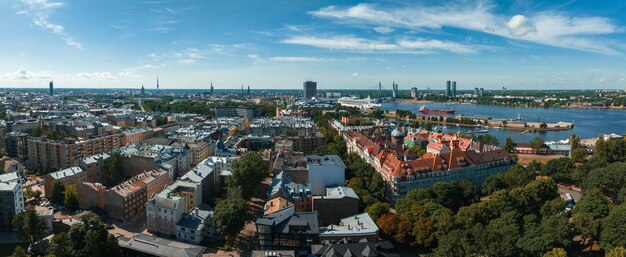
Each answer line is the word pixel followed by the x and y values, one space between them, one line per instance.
pixel 575 192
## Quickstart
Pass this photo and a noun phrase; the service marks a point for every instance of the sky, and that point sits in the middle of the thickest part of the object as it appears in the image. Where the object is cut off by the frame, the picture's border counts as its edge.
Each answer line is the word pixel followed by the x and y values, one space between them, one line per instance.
pixel 517 44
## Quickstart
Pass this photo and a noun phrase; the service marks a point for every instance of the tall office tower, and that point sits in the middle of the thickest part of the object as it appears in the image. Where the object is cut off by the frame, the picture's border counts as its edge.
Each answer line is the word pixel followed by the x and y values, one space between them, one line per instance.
pixel 448 91
pixel 380 90
pixel 454 88
pixel 414 92
pixel 394 90
pixel 309 89
pixel 51 88
pixel 248 89
pixel 211 87
pixel 157 81
pixel 482 92
pixel 241 89
pixel 143 91
pixel 476 91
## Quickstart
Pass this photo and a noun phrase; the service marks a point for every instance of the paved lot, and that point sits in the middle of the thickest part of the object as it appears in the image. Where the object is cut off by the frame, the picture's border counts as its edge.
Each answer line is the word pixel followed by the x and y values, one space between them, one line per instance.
pixel 575 192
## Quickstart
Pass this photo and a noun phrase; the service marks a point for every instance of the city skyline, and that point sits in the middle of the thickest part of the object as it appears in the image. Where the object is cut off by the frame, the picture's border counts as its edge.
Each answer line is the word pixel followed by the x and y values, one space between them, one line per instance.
pixel 346 45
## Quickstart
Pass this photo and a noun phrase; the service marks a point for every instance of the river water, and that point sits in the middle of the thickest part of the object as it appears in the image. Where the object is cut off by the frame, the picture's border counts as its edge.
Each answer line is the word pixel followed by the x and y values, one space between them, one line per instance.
pixel 588 123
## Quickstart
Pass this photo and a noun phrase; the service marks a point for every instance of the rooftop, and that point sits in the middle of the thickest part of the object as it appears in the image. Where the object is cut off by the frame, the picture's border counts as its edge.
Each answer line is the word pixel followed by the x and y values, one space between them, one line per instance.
pixel 325 160
pixel 359 224
pixel 157 246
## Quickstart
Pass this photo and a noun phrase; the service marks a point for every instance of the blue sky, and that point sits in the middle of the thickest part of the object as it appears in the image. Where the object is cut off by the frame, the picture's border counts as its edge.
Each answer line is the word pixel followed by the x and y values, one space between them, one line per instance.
pixel 519 44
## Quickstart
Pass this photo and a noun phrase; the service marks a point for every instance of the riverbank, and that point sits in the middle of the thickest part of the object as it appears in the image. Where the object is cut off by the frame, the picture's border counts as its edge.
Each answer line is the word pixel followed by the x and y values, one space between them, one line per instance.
pixel 414 101
pixel 525 129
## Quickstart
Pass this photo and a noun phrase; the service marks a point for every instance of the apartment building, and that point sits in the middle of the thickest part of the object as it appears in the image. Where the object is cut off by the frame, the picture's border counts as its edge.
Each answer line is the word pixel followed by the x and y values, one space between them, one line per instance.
pixel 339 202
pixel 90 169
pixel 62 154
pixel 11 199
pixel 198 151
pixel 166 208
pixel 196 225
pixel 127 201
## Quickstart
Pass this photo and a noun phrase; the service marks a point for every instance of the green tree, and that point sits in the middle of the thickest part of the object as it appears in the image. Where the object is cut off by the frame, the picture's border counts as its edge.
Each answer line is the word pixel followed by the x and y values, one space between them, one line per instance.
pixel 614 228
pixel 578 154
pixel 553 207
pixel 458 243
pixel 609 180
pixel 88 239
pixel 551 232
pixel 115 168
pixel 230 216
pixel 71 197
pixel 488 139
pixel 537 143
pixel 509 145
pixel 616 252
pixel 29 226
pixel 37 131
pixel 19 252
pixel 560 169
pixel 419 151
pixel 60 246
pixel 247 172
pixel 586 226
pixel 377 210
pixel 501 235
pixel 58 189
pixel 556 252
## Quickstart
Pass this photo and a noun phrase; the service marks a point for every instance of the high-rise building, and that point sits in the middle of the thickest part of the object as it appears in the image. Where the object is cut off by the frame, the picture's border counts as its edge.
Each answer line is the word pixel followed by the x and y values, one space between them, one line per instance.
pixel 448 90
pixel 157 81
pixel 454 89
pixel 309 89
pixel 211 88
pixel 394 90
pixel 481 92
pixel 51 88
pixel 414 92
pixel 248 89
pixel 143 91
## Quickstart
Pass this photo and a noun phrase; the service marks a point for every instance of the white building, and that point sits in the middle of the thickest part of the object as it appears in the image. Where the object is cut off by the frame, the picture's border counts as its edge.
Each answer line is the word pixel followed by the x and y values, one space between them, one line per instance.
pixel 166 208
pixel 196 225
pixel 11 198
pixel 325 171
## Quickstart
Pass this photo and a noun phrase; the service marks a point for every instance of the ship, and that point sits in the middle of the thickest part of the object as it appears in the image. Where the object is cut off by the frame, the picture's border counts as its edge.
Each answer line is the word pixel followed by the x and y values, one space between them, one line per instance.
pixel 425 110
pixel 361 103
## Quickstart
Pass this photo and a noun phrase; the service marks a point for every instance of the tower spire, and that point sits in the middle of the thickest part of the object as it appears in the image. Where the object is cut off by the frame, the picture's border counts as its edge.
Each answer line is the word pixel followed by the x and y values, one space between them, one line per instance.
pixel 157 81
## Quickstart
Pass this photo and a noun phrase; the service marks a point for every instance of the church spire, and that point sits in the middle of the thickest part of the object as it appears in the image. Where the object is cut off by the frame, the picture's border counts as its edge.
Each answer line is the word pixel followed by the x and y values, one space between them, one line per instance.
pixel 157 81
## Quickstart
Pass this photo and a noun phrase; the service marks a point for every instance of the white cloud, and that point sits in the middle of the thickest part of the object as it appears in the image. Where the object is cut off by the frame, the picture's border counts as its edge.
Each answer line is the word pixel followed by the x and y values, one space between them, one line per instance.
pixel 553 29
pixel 518 25
pixel 384 30
pixel 341 42
pixel 406 45
pixel 296 59
pixel 436 45
pixel 40 11
pixel 253 56
pixel 96 75
pixel 186 61
pixel 356 74
pixel 23 74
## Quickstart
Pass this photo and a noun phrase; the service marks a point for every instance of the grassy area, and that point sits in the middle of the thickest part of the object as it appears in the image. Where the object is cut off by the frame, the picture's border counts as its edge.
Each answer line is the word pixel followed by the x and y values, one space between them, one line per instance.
pixel 6 249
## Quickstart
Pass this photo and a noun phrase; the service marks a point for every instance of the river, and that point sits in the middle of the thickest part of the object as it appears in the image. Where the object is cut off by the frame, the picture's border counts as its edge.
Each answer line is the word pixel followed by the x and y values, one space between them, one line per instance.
pixel 588 123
